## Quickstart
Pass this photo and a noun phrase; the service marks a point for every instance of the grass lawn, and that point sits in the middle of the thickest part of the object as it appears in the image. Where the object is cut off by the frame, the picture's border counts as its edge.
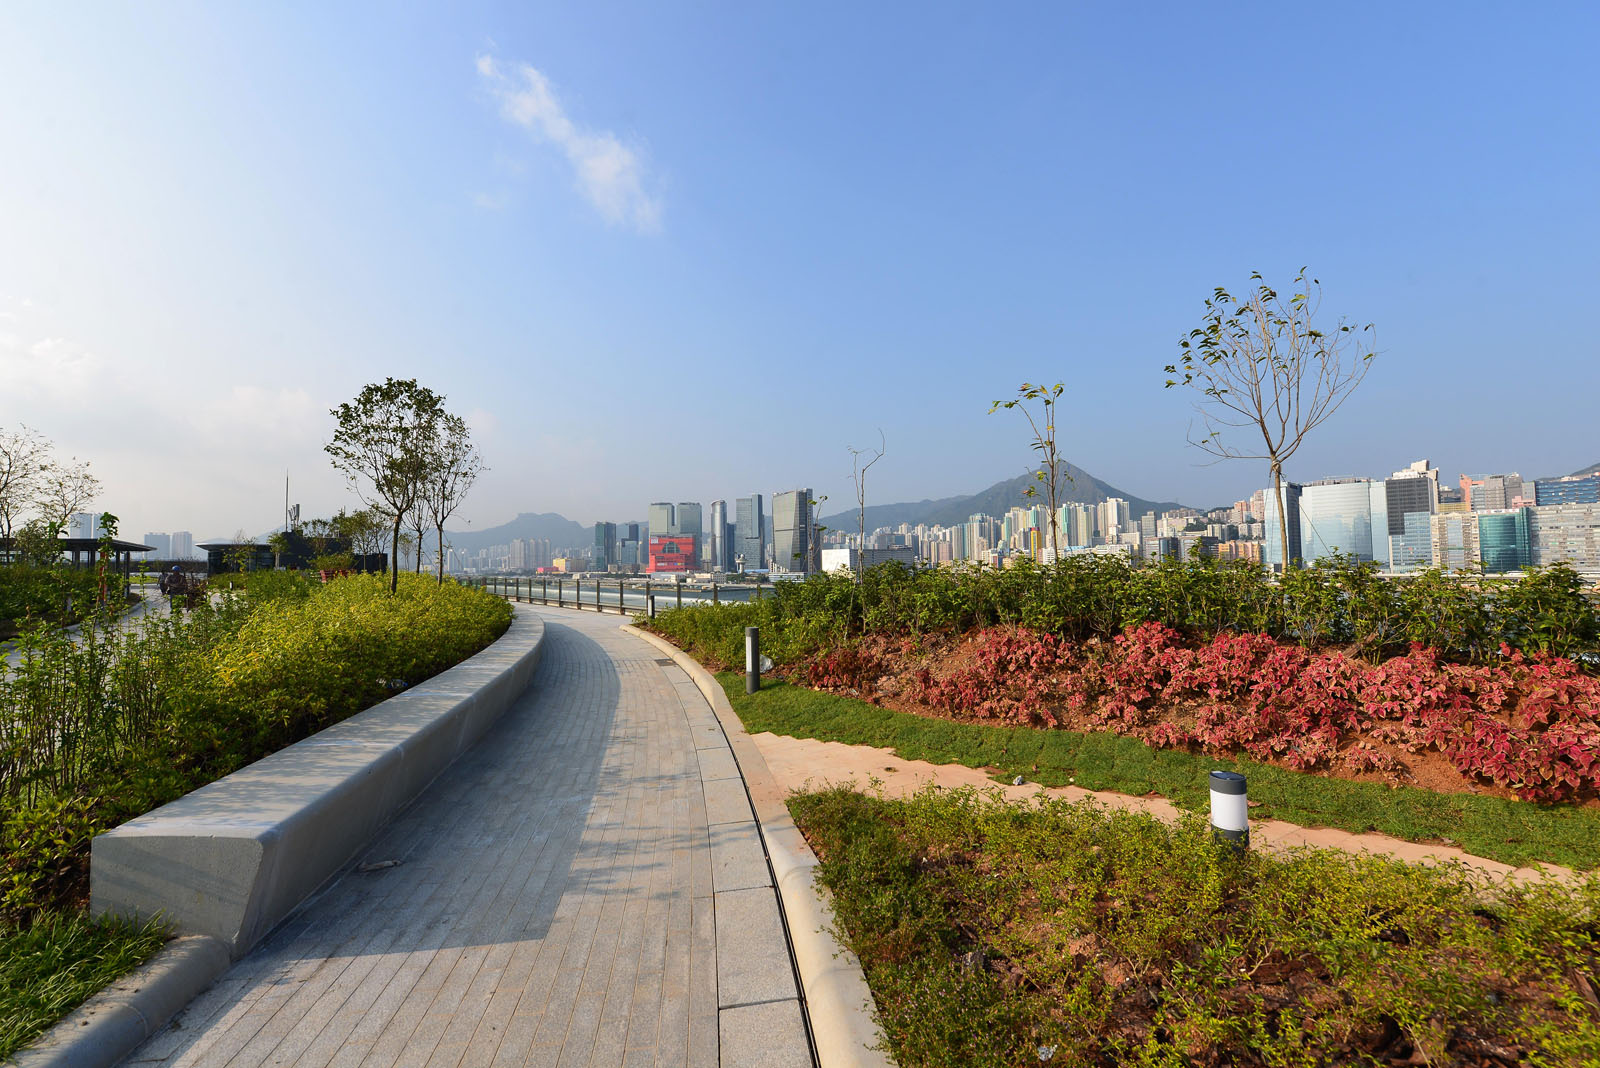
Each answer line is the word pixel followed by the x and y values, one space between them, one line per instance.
pixel 1000 933
pixel 1516 832
pixel 52 966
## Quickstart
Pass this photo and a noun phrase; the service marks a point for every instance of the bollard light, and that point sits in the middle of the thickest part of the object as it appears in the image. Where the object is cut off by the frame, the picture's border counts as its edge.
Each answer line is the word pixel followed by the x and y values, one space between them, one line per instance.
pixel 1230 809
pixel 752 659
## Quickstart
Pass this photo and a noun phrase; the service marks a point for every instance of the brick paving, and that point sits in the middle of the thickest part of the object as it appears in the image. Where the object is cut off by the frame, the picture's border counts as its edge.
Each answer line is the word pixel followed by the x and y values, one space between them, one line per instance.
pixel 554 903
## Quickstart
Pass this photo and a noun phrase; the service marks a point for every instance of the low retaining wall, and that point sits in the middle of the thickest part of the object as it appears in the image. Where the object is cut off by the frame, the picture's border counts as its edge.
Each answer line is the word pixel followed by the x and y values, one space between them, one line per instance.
pixel 234 858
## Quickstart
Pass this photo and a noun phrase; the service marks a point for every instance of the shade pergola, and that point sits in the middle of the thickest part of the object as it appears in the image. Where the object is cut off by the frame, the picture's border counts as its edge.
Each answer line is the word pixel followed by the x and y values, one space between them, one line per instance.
pixel 84 551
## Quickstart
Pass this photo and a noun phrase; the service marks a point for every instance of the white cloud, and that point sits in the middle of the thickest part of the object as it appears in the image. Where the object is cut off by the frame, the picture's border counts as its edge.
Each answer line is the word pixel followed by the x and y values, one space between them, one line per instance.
pixel 489 201
pixel 609 173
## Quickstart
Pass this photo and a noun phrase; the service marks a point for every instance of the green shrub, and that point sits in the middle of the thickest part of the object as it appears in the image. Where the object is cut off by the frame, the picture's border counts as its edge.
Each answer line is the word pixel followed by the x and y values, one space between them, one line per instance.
pixel 94 732
pixel 1335 602
pixel 54 594
pixel 1069 934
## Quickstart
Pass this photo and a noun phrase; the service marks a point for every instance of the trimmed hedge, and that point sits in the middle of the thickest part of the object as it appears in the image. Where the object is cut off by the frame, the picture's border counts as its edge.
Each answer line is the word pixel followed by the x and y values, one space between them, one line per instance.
pixel 1337 602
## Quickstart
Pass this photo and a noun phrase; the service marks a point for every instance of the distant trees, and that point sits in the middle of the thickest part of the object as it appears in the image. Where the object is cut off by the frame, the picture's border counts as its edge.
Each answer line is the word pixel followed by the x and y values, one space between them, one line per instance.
pixel 1260 366
pixel 1052 470
pixel 407 458
pixel 34 483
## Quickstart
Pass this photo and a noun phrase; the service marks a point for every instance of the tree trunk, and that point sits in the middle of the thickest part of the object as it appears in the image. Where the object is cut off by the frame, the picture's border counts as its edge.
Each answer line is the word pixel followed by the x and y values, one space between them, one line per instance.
pixel 439 561
pixel 1283 513
pixel 394 557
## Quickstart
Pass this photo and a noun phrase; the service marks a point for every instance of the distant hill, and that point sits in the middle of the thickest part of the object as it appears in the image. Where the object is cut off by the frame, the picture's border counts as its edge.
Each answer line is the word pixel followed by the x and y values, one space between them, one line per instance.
pixel 561 532
pixel 1592 469
pixel 995 501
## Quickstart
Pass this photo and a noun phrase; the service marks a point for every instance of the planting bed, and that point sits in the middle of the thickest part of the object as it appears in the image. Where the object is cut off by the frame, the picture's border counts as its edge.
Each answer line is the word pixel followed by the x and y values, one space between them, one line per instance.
pixel 1518 727
pixel 1062 934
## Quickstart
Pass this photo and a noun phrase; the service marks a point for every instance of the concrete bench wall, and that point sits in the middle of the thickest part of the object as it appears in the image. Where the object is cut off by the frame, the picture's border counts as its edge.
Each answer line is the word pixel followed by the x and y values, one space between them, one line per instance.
pixel 235 857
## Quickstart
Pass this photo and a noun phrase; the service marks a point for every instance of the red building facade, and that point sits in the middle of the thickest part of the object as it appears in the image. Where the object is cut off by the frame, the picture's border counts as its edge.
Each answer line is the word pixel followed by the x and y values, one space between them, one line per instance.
pixel 672 553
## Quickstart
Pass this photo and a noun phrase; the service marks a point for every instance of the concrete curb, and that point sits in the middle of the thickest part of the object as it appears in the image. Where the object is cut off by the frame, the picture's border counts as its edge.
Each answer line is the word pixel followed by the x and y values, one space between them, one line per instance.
pixel 112 1023
pixel 838 1002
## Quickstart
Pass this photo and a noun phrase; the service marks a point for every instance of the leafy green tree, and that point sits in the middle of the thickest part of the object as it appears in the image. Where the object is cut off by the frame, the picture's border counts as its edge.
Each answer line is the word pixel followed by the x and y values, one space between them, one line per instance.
pixel 1261 366
pixel 1052 471
pixel 383 446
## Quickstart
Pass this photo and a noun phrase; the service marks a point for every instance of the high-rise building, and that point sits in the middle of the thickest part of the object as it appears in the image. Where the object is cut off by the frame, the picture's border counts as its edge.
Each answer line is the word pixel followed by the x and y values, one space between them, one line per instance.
pixel 795 546
pixel 1411 496
pixel 1490 493
pixel 160 546
pixel 182 545
pixel 1505 542
pixel 716 539
pixel 605 546
pixel 1455 540
pixel 1566 534
pixel 750 539
pixel 686 519
pixel 662 521
pixel 1272 554
pixel 1115 517
pixel 1574 489
pixel 1343 515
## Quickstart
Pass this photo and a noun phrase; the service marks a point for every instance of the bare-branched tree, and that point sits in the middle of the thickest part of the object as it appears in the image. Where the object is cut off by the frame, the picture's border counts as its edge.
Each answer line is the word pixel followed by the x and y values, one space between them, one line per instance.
pixel 63 489
pixel 24 464
pixel 861 460
pixel 1261 366
pixel 456 466
pixel 1053 471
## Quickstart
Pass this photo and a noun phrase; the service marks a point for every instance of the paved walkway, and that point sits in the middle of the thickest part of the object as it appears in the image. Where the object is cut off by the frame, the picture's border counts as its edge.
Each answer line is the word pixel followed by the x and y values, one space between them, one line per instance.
pixel 585 887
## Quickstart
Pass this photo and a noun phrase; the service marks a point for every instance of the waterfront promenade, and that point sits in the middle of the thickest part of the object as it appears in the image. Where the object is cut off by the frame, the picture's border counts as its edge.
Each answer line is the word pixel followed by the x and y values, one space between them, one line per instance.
pixel 586 886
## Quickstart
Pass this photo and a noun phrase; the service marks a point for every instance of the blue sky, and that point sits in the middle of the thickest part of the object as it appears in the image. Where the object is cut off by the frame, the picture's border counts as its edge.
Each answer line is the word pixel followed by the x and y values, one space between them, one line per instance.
pixel 701 250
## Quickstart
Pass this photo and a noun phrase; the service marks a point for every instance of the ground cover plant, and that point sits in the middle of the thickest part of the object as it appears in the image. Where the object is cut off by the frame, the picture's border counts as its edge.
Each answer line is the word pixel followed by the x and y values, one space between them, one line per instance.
pixel 1060 934
pixel 1499 828
pixel 49 967
pixel 97 730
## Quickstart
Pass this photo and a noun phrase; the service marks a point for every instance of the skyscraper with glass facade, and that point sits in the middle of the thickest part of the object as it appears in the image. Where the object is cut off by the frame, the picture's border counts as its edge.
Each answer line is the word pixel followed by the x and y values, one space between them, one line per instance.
pixel 1410 499
pixel 1272 555
pixel 605 546
pixel 1343 516
pixel 661 520
pixel 1505 542
pixel 1582 489
pixel 749 532
pixel 716 541
pixel 795 546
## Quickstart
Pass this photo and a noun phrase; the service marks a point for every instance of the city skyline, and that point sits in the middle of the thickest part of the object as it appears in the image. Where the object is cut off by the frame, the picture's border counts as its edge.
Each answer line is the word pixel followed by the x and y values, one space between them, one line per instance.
pixel 221 223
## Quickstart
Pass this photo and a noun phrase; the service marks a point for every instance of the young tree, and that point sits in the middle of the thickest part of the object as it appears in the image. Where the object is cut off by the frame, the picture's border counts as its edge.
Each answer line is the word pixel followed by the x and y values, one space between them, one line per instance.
pixel 382 445
pixel 1260 366
pixel 63 489
pixel 1052 470
pixel 861 461
pixel 456 466
pixel 24 464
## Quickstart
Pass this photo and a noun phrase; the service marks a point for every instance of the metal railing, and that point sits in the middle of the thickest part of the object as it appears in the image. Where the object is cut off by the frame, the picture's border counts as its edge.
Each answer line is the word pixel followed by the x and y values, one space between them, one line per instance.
pixel 621 595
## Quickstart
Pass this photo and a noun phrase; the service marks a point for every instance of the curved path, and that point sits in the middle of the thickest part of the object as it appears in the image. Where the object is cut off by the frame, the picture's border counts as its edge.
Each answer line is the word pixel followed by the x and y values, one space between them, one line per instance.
pixel 585 887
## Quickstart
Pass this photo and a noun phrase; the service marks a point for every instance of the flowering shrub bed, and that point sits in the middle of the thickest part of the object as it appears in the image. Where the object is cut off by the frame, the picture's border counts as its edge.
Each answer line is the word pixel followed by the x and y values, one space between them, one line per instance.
pixel 1530 724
